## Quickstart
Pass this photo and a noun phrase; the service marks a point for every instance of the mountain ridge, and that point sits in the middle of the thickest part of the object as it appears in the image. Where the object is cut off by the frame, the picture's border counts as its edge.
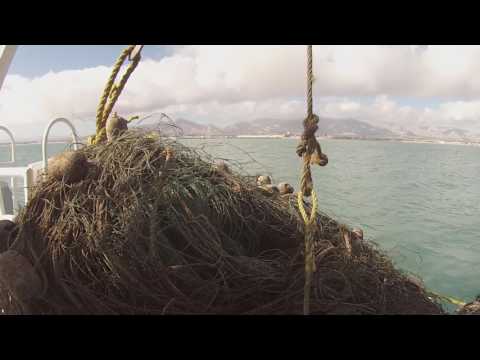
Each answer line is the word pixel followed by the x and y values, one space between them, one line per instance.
pixel 270 126
pixel 330 127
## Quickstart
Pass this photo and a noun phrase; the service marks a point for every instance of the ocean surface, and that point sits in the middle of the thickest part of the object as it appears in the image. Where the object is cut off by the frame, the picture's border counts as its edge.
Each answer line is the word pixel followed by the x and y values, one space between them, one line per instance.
pixel 419 202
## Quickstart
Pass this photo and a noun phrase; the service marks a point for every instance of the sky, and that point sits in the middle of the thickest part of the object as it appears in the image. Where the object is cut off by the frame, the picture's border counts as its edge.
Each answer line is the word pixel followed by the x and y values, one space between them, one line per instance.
pixel 415 87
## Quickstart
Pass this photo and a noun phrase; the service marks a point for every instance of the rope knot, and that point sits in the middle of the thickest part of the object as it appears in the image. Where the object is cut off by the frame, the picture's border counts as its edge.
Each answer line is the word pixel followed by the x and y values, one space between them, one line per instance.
pixel 309 148
pixel 309 144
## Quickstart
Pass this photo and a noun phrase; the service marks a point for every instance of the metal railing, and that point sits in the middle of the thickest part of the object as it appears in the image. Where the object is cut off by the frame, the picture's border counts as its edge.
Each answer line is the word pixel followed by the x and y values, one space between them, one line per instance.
pixel 45 139
pixel 12 158
pixel 29 173
pixel 12 145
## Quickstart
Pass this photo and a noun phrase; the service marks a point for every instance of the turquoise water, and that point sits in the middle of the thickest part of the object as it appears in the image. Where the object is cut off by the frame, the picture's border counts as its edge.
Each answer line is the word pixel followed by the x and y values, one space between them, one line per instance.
pixel 419 202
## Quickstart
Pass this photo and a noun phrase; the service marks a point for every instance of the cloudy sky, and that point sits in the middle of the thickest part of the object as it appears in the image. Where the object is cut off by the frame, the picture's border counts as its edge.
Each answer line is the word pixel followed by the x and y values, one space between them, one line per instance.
pixel 411 87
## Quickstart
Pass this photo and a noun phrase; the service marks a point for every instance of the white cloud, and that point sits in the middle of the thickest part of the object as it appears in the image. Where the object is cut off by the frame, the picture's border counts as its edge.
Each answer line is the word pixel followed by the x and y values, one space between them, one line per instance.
pixel 222 84
pixel 384 111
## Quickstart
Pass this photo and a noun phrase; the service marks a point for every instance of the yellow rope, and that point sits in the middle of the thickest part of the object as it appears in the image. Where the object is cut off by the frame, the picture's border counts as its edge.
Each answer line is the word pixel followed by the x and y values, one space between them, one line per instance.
pixel 309 243
pixel 301 208
pixel 448 299
pixel 112 92
pixel 309 81
pixel 110 83
pixel 309 146
pixel 119 88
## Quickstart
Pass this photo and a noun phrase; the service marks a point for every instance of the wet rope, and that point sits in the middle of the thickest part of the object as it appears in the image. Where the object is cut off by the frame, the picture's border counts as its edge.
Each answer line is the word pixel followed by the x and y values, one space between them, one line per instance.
pixel 310 150
pixel 112 92
pixel 449 299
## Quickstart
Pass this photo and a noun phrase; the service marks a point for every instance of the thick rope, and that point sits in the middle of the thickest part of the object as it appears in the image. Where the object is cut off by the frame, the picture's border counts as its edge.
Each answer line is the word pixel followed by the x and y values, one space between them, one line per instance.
pixel 110 82
pixel 112 92
pixel 117 90
pixel 309 82
pixel 449 299
pixel 309 246
pixel 310 150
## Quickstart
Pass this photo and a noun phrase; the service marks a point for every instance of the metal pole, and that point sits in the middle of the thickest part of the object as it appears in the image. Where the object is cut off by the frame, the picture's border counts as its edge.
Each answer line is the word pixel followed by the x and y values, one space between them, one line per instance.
pixel 7 52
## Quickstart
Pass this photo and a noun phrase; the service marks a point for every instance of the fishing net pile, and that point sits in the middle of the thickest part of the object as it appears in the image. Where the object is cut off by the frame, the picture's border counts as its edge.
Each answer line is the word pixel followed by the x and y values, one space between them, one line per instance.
pixel 154 227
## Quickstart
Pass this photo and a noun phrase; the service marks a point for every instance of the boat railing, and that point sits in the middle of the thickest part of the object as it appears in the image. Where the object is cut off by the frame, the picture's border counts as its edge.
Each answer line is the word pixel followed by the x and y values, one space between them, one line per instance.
pixel 12 145
pixel 31 172
pixel 46 134
pixel 10 172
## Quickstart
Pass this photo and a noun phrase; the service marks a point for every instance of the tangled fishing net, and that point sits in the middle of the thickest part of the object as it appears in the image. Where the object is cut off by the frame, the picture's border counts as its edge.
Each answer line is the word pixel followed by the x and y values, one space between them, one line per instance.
pixel 157 228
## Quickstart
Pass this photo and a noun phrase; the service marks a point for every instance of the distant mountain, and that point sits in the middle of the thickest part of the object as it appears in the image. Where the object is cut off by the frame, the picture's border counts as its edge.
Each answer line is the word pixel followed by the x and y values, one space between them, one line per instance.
pixel 454 132
pixel 192 128
pixel 444 133
pixel 185 127
pixel 351 128
pixel 327 126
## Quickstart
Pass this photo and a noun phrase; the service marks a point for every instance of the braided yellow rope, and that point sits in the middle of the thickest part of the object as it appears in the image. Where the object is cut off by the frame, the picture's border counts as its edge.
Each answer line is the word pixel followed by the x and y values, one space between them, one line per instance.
pixel 309 82
pixel 301 208
pixel 117 90
pixel 448 299
pixel 307 148
pixel 112 92
pixel 110 83
pixel 309 253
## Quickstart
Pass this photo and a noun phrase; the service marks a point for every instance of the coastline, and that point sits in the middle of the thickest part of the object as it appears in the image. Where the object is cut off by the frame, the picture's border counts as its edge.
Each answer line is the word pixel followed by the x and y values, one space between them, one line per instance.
pixel 297 137
pixel 402 140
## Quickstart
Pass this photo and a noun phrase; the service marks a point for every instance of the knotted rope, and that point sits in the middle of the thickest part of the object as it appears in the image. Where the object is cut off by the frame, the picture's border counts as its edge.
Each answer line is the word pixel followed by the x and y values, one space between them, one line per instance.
pixel 310 150
pixel 112 91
